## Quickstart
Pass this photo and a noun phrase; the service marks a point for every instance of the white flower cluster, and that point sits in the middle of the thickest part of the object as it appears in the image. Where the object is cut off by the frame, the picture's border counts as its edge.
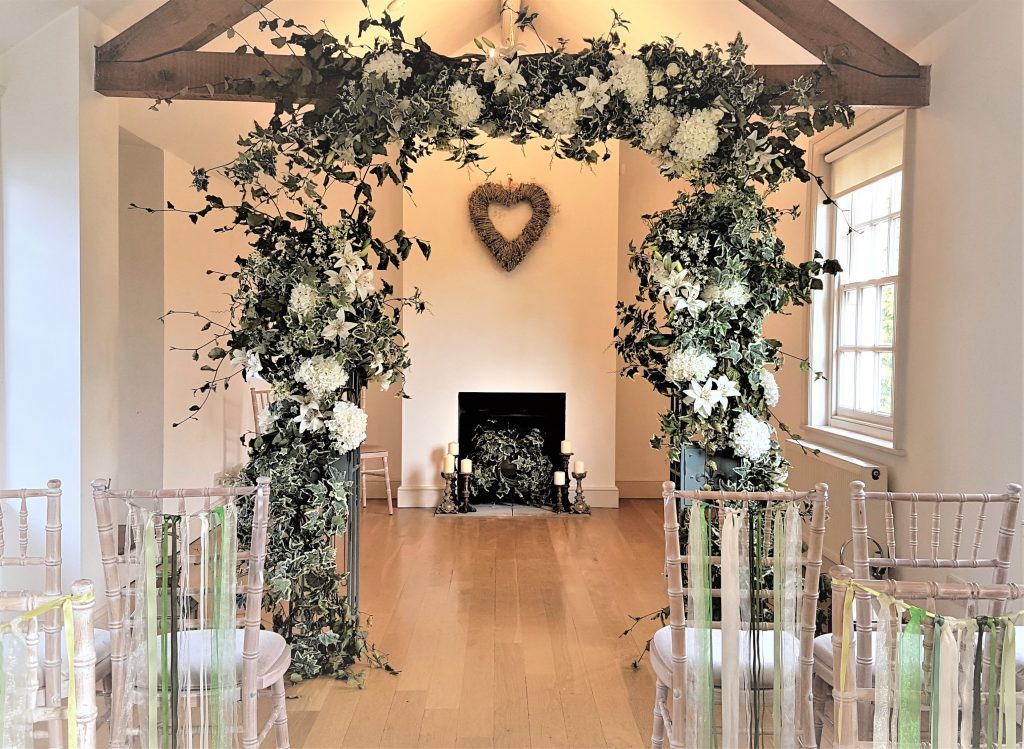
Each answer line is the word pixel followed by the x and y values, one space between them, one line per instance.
pixel 770 388
pixel 658 128
pixel 682 292
pixel 351 273
pixel 250 361
pixel 691 363
pixel 695 138
pixel 561 114
pixel 751 437
pixel 503 72
pixel 736 294
pixel 303 300
pixel 594 92
pixel 714 392
pixel 389 65
pixel 629 77
pixel 322 376
pixel 466 103
pixel 267 420
pixel 347 425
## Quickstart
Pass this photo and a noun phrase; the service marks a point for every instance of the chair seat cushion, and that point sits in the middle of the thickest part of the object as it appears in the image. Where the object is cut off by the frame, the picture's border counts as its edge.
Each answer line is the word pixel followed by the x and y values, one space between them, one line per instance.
pixel 661 654
pixel 195 657
pixel 101 641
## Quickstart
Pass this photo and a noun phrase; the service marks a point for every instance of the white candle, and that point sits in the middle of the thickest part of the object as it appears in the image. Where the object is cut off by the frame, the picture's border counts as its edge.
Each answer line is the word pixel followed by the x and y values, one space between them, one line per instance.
pixel 578 467
pixel 453 448
pixel 559 478
pixel 449 463
pixel 466 466
pixel 566 448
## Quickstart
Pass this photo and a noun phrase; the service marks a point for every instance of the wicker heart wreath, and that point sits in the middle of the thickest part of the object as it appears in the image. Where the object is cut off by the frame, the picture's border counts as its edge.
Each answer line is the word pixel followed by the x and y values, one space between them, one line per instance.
pixel 509 253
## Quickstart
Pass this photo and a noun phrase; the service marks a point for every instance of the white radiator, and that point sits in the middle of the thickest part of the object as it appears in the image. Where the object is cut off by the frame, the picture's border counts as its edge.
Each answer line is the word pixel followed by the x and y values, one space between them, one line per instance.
pixel 813 464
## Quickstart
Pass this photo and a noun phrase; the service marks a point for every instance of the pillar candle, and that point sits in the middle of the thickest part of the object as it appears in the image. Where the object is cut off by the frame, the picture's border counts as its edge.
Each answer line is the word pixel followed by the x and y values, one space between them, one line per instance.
pixel 449 463
pixel 578 467
pixel 566 448
pixel 453 448
pixel 559 478
pixel 466 466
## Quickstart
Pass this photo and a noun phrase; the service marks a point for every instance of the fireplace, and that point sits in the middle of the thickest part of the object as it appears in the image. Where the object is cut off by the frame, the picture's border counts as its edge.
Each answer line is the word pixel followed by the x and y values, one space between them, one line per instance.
pixel 519 411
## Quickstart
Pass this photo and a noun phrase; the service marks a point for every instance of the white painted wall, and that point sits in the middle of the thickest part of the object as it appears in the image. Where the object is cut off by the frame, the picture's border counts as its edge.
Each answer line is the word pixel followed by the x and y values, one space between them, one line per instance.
pixel 545 327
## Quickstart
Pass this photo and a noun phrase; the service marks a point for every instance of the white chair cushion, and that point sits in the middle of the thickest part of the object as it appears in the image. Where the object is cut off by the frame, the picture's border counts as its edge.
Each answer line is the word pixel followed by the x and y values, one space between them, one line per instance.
pixel 101 641
pixel 661 654
pixel 195 656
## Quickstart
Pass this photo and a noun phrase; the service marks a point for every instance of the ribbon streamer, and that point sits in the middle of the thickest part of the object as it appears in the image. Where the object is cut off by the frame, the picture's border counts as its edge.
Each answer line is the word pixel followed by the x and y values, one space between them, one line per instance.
pixel 699 673
pixel 730 629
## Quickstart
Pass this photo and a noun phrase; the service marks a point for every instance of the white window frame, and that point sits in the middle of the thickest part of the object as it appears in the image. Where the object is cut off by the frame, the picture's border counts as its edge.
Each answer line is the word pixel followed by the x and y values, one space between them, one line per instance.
pixel 825 419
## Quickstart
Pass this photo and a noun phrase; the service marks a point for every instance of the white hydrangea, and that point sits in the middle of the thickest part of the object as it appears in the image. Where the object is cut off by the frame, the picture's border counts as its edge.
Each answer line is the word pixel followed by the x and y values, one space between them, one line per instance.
pixel 347 425
pixel 691 363
pixel 466 103
pixel 303 300
pixel 657 130
pixel 389 65
pixel 751 438
pixel 322 376
pixel 629 77
pixel 695 138
pixel 770 388
pixel 561 114
pixel 736 294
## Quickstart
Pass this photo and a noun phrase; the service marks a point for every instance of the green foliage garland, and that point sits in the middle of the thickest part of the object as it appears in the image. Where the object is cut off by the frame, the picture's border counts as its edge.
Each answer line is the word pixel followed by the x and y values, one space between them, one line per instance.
pixel 313 318
pixel 529 470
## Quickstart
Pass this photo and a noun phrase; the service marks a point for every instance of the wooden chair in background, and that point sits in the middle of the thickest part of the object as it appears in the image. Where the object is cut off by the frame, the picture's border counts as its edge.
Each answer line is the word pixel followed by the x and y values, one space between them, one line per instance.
pixel 668 647
pixel 54 713
pixel 260 400
pixel 375 452
pixel 947 544
pixel 262 657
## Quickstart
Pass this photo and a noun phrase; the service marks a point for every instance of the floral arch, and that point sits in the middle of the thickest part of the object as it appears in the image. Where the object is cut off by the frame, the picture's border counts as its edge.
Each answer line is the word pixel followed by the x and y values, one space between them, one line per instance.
pixel 311 316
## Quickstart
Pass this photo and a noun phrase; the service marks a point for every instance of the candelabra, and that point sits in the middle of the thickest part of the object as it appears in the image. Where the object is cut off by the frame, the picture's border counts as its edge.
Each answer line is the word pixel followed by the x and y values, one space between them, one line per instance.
pixel 448 505
pixel 466 506
pixel 580 506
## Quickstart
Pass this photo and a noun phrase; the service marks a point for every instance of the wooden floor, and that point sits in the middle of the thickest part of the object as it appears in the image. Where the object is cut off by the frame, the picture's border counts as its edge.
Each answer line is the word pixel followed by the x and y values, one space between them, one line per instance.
pixel 506 631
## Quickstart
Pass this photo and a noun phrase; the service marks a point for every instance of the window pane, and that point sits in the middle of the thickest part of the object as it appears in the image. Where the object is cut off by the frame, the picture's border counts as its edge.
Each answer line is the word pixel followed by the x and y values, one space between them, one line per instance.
pixel 868 316
pixel 847 375
pixel 894 246
pixel 861 255
pixel 896 191
pixel 881 205
pixel 848 319
pixel 867 381
pixel 863 201
pixel 885 384
pixel 880 249
pixel 888 310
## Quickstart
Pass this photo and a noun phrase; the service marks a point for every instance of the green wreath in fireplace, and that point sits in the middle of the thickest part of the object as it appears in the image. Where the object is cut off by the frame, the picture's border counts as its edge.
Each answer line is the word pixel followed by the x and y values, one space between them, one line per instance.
pixel 311 315
pixel 510 463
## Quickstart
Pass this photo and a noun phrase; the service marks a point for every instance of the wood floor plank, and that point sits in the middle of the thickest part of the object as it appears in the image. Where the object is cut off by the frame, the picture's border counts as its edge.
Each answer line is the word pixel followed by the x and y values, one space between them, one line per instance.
pixel 506 632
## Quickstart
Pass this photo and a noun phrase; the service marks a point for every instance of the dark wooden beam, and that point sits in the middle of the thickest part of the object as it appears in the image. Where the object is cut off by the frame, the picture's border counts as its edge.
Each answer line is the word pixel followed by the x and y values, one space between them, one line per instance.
pixel 185 75
pixel 826 30
pixel 177 25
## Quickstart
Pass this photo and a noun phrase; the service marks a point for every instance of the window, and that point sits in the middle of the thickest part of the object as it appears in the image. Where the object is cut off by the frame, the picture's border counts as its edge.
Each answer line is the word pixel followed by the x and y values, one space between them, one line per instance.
pixel 866 180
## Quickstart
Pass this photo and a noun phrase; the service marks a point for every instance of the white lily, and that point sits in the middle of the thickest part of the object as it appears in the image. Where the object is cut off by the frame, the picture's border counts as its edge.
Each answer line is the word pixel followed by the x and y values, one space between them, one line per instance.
pixel 309 419
pixel 726 389
pixel 701 397
pixel 338 328
pixel 594 93
pixel 689 300
pixel 363 282
pixel 507 76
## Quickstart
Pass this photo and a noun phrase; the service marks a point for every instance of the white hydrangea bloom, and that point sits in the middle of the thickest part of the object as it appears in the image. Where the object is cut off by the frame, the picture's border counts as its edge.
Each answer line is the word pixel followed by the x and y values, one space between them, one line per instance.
pixel 347 425
pixel 691 363
pixel 737 294
pixel 672 70
pixel 695 138
pixel 303 300
pixel 770 387
pixel 657 130
pixel 629 77
pixel 561 114
pixel 389 65
pixel 322 376
pixel 466 103
pixel 751 438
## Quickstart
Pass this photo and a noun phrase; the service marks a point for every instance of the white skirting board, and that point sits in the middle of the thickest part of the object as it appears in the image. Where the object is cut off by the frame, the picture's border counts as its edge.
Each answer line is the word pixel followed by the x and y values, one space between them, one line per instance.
pixel 430 496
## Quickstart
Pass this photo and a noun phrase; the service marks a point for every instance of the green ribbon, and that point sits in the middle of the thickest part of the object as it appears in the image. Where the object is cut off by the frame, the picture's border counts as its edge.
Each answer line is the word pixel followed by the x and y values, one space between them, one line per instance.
pixel 936 650
pixel 778 582
pixel 152 632
pixel 699 583
pixel 1008 687
pixel 992 704
pixel 910 682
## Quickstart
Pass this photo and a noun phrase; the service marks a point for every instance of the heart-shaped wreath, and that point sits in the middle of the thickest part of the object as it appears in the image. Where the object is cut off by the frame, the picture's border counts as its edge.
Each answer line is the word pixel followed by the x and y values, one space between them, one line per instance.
pixel 509 253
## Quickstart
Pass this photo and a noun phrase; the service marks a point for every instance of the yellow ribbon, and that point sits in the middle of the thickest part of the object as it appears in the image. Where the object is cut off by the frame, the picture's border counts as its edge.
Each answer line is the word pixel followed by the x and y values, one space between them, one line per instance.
pixel 844 660
pixel 66 604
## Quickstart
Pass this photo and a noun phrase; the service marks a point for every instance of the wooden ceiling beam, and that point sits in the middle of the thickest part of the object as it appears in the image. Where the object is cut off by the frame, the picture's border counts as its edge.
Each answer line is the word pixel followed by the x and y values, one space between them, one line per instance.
pixel 827 31
pixel 177 25
pixel 185 75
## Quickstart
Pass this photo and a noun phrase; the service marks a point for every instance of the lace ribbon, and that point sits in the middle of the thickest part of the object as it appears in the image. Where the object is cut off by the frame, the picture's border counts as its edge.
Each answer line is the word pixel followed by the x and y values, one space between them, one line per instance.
pixel 731 721
pixel 699 674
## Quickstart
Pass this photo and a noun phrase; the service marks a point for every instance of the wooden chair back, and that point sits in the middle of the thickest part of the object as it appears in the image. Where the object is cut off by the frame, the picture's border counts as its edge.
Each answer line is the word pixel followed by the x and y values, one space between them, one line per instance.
pixel 816 502
pixel 855 693
pixel 185 504
pixel 54 714
pixel 18 556
pixel 260 401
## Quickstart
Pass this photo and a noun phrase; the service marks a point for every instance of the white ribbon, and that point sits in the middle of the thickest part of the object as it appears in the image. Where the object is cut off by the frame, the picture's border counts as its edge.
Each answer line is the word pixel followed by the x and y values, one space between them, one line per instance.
pixel 730 629
pixel 948 685
pixel 792 588
pixel 883 678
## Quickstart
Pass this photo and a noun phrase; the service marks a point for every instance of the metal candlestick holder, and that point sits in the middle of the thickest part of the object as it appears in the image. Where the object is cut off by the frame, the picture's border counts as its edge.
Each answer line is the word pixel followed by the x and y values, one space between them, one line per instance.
pixel 559 502
pixel 564 501
pixel 466 506
pixel 580 506
pixel 447 505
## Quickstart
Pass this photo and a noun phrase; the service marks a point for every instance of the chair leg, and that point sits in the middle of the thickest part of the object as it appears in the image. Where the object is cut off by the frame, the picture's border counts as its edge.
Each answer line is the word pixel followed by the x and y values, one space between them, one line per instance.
pixel 280 715
pixel 820 691
pixel 387 485
pixel 658 732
